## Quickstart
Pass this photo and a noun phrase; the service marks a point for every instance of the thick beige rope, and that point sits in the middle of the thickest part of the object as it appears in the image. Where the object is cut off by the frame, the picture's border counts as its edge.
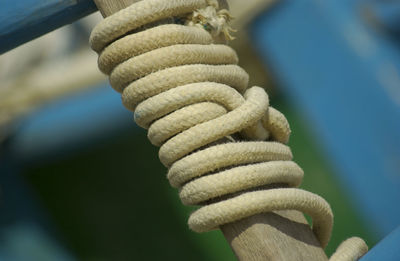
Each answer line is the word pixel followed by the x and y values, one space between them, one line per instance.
pixel 350 249
pixel 191 94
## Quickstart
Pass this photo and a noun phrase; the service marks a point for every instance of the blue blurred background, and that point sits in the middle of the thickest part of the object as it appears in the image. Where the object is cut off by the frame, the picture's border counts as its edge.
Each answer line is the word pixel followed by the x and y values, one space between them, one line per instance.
pixel 80 181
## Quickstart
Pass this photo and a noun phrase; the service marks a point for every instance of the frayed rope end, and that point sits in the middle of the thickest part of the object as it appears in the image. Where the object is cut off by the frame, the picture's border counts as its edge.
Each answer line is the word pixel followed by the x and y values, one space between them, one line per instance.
pixel 213 20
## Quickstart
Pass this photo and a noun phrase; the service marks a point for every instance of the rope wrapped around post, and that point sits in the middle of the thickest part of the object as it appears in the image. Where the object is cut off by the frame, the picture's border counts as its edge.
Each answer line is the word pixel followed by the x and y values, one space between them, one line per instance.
pixel 224 146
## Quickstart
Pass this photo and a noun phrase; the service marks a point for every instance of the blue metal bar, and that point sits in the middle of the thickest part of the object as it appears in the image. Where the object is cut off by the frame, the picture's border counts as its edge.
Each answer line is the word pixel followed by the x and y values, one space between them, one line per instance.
pixel 24 20
pixel 345 77
pixel 388 249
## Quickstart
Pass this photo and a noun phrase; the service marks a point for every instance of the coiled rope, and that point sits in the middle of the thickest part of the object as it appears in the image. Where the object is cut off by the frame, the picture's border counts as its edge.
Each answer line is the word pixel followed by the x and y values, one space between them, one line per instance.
pixel 222 143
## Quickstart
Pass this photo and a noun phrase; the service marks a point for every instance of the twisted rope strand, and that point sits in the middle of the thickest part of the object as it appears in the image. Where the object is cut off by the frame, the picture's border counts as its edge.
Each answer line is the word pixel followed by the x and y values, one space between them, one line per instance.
pixel 190 93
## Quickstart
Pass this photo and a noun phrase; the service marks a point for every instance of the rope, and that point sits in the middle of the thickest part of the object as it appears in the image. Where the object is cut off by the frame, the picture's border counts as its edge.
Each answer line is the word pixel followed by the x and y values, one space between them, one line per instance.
pixel 192 97
pixel 350 249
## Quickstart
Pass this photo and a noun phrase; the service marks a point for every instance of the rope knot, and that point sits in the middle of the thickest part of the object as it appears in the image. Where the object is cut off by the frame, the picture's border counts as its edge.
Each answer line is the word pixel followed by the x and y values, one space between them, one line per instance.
pixel 212 20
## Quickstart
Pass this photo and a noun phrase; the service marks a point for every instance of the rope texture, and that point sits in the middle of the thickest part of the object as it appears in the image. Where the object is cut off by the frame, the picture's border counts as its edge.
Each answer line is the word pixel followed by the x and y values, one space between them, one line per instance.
pixel 222 143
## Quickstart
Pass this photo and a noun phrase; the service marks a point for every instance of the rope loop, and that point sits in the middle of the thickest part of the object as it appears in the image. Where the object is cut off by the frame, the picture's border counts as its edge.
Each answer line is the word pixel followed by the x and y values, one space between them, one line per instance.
pixel 221 142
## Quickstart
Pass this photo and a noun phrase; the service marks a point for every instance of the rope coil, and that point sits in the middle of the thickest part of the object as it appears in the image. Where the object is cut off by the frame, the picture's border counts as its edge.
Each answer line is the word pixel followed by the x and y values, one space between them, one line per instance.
pixel 192 97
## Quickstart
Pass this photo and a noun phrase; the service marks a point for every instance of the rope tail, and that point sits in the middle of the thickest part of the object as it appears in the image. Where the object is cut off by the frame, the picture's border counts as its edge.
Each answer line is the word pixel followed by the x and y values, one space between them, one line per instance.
pixel 221 142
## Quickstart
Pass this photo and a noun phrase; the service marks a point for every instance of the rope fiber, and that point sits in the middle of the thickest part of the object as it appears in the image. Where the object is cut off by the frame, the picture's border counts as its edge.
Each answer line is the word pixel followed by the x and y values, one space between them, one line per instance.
pixel 221 142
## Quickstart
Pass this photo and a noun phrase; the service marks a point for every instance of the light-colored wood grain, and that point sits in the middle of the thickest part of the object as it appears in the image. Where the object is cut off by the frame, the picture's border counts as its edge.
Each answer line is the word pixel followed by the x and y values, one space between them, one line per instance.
pixel 281 235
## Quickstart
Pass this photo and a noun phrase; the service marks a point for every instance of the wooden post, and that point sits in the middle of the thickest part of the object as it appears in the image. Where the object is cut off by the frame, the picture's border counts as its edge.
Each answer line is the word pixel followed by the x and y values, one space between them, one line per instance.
pixel 279 235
